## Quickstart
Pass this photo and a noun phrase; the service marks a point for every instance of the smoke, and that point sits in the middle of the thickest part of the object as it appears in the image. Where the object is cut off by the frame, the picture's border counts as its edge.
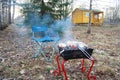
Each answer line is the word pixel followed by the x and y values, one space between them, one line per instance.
pixel 64 28
pixel 58 28
pixel 20 28
pixel 33 19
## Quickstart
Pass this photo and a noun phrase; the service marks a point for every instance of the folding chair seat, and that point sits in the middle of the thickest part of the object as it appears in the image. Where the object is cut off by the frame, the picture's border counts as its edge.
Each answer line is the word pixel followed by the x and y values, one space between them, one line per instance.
pixel 45 41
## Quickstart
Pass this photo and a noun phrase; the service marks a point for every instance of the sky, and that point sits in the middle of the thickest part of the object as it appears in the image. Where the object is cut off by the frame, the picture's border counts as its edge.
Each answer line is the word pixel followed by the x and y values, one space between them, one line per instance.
pixel 96 4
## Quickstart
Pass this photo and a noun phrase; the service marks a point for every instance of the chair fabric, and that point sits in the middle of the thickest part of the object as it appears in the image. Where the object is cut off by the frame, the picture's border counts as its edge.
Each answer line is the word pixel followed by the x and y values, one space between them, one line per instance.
pixel 42 36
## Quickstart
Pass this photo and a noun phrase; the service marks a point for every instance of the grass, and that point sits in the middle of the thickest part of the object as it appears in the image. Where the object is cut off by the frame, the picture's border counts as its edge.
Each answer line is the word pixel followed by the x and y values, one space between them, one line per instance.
pixel 104 40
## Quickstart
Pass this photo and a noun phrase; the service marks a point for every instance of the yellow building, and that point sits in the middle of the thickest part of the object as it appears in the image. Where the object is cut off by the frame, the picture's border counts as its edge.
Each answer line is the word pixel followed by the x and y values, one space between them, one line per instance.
pixel 81 16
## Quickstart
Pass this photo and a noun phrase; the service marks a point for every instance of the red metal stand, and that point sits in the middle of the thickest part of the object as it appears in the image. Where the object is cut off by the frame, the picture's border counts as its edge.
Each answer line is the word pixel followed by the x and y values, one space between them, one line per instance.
pixel 61 68
pixel 89 71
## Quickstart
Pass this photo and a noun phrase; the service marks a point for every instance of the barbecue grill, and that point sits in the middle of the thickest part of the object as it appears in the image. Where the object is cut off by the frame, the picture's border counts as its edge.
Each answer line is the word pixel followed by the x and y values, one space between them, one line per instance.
pixel 74 50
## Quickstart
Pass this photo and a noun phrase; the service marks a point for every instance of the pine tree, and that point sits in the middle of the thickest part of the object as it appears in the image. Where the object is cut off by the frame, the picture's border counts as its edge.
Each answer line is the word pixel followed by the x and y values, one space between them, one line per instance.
pixel 58 9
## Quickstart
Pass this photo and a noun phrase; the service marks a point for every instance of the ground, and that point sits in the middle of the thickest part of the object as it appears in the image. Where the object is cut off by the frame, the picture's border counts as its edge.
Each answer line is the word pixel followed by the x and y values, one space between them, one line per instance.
pixel 17 62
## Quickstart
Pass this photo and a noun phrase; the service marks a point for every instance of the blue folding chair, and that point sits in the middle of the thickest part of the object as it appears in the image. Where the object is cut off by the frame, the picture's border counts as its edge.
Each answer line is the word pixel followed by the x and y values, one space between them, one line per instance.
pixel 45 40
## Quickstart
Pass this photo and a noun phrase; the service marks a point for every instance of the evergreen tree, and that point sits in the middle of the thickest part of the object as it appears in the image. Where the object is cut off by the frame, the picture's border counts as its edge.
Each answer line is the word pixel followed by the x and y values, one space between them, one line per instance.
pixel 58 9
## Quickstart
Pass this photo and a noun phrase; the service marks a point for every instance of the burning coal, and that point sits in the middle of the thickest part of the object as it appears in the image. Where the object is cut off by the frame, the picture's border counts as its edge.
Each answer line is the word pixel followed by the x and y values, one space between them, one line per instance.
pixel 71 45
pixel 74 50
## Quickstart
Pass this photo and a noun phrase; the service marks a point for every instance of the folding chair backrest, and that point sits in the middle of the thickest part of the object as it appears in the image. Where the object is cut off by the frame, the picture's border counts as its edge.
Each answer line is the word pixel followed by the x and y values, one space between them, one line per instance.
pixel 39 31
pixel 39 28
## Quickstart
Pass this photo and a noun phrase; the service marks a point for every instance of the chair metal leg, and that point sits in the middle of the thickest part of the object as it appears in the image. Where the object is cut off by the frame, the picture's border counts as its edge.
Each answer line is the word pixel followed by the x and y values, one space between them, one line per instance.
pixel 48 59
pixel 45 52
pixel 36 55
pixel 55 47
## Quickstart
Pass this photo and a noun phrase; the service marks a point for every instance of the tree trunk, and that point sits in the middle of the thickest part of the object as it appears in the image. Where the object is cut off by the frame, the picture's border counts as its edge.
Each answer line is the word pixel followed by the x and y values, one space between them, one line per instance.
pixel 89 25
pixel 9 11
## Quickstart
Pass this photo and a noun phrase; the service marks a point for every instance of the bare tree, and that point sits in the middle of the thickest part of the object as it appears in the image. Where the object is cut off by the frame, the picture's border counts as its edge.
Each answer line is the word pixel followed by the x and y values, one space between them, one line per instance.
pixel 113 13
pixel 89 25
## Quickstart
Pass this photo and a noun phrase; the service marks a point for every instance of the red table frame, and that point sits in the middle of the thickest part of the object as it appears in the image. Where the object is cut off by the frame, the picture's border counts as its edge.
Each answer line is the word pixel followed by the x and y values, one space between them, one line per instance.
pixel 61 68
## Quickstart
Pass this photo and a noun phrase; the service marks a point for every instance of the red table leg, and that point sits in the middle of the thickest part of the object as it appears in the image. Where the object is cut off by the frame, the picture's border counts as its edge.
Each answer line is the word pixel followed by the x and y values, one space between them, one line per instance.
pixel 83 67
pixel 89 71
pixel 63 68
pixel 58 71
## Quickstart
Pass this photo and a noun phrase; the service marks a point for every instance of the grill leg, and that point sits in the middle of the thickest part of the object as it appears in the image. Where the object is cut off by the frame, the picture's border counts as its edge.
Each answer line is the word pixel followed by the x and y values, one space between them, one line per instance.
pixel 83 67
pixel 89 71
pixel 58 71
pixel 63 68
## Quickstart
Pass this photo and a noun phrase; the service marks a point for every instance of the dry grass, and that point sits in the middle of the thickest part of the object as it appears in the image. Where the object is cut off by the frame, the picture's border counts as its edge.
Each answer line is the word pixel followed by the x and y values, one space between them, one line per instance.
pixel 105 41
pixel 19 64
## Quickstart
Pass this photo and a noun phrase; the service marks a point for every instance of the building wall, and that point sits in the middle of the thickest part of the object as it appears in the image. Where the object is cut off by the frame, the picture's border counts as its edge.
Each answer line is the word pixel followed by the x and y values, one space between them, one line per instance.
pixel 82 17
pixel 85 16
pixel 77 17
